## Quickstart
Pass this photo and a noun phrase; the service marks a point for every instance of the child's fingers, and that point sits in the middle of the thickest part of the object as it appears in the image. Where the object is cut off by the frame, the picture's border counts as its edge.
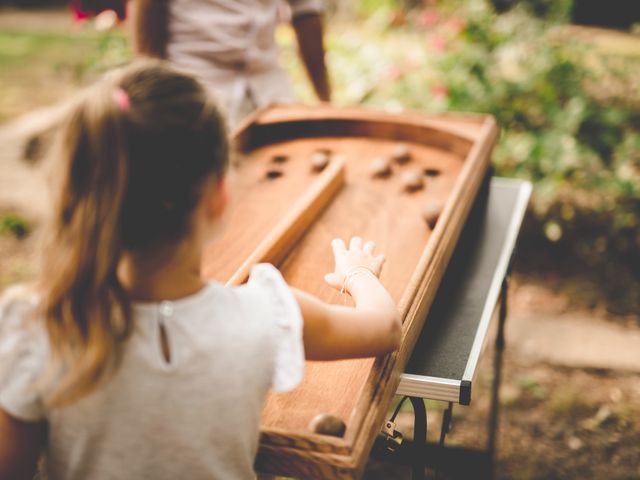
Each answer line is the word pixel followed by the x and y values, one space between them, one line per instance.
pixel 355 243
pixel 338 246
pixel 380 259
pixel 333 280
pixel 369 247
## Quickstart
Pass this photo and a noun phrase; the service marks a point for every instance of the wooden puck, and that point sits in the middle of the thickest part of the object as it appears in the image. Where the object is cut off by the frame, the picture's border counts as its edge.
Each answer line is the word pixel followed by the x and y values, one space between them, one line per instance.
pixel 273 174
pixel 327 424
pixel 320 159
pixel 412 181
pixel 380 167
pixel 431 212
pixel 401 153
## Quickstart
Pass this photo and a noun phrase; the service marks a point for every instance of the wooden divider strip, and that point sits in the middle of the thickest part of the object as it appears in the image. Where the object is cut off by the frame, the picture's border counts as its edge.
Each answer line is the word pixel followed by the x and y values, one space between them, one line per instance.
pixel 281 239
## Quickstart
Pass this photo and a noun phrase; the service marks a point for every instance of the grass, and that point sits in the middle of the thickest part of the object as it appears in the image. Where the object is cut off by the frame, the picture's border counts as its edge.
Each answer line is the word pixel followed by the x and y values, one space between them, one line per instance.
pixel 569 404
pixel 39 68
pixel 18 49
pixel 532 387
pixel 14 224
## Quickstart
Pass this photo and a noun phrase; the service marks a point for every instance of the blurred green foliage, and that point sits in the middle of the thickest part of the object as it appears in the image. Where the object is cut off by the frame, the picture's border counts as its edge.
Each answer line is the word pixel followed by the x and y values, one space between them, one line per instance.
pixel 95 51
pixel 14 224
pixel 564 125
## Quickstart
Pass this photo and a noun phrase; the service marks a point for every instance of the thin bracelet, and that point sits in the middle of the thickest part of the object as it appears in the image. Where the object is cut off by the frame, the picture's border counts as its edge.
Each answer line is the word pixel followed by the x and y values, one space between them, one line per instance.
pixel 352 273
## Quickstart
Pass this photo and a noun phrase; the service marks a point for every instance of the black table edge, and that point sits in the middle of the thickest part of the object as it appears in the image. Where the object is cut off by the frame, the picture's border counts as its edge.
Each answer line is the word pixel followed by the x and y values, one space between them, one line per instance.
pixel 459 390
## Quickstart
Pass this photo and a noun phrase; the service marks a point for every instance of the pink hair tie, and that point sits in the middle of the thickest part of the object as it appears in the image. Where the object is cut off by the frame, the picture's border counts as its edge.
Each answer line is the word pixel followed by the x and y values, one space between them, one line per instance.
pixel 122 100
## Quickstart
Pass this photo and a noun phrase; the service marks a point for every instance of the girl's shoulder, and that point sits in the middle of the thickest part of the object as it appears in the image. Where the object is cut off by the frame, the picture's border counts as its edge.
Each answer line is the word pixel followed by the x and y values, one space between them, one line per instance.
pixel 269 298
pixel 267 291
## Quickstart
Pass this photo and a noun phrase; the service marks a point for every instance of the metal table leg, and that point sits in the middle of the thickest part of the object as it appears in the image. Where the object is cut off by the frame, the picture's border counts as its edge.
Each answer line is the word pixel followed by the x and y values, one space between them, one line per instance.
pixel 497 373
pixel 419 438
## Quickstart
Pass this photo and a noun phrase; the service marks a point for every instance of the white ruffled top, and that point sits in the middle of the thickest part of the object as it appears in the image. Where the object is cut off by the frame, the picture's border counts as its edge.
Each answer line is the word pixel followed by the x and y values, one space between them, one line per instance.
pixel 194 416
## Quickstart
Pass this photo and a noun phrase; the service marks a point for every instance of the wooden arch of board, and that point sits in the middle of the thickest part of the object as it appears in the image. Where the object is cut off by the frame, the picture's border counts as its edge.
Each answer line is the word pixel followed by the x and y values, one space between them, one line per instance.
pixel 289 220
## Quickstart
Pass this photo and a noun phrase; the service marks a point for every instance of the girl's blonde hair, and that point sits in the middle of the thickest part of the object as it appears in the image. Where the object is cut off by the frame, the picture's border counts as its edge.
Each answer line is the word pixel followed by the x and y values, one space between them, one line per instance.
pixel 132 157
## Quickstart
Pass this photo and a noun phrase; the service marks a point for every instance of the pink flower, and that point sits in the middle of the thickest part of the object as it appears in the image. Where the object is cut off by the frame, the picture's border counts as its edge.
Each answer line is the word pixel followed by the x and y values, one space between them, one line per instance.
pixel 428 18
pixel 82 12
pixel 392 73
pixel 79 16
pixel 438 44
pixel 456 25
pixel 440 91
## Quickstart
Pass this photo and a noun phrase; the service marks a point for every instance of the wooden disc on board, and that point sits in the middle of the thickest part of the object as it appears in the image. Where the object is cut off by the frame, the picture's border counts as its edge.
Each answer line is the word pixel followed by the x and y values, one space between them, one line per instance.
pixel 431 212
pixel 327 424
pixel 380 167
pixel 412 181
pixel 320 159
pixel 401 153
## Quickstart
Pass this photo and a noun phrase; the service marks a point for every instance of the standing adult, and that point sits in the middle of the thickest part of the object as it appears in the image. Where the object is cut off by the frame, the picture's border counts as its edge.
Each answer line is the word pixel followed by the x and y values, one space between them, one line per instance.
pixel 230 46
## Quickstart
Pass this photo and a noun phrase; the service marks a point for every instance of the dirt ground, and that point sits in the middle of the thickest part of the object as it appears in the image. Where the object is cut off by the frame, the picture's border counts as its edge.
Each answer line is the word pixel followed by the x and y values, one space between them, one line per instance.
pixel 556 422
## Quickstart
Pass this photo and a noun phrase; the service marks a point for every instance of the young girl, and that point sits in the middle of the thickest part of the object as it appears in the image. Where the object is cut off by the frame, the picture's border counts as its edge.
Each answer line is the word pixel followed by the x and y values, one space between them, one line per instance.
pixel 123 362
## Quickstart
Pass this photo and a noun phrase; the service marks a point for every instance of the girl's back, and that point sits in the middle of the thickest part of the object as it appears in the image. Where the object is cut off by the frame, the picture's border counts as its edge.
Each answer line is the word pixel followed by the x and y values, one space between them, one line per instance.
pixel 193 412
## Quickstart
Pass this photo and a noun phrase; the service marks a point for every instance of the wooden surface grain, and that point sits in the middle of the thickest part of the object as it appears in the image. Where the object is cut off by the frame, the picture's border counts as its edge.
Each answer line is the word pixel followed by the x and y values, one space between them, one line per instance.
pixel 379 209
pixel 375 209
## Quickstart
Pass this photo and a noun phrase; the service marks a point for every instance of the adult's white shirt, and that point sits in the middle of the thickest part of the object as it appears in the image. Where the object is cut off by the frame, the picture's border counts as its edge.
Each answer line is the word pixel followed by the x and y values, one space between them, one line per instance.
pixel 230 46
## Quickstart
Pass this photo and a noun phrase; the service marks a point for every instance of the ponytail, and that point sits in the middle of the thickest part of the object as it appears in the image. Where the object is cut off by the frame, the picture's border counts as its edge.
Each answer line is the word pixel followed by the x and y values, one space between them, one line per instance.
pixel 144 121
pixel 85 308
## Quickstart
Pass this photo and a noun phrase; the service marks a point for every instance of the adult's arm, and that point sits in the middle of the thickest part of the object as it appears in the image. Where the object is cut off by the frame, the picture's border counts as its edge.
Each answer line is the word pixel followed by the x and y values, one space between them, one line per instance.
pixel 20 445
pixel 149 27
pixel 309 34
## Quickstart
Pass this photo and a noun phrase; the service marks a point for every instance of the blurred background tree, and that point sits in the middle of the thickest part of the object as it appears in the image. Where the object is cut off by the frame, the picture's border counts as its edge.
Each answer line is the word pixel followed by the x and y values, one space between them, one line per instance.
pixel 568 105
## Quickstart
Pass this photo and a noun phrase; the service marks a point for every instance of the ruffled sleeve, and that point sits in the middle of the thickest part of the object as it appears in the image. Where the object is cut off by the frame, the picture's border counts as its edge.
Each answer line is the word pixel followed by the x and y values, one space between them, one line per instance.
pixel 22 356
pixel 289 356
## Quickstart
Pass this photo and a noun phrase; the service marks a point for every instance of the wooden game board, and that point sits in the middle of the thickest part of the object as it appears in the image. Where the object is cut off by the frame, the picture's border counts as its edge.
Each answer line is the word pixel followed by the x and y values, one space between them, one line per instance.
pixel 290 219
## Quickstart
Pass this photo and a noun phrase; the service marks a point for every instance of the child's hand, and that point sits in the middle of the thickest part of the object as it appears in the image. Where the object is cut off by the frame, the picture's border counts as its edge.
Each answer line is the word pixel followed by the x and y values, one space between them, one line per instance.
pixel 357 258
